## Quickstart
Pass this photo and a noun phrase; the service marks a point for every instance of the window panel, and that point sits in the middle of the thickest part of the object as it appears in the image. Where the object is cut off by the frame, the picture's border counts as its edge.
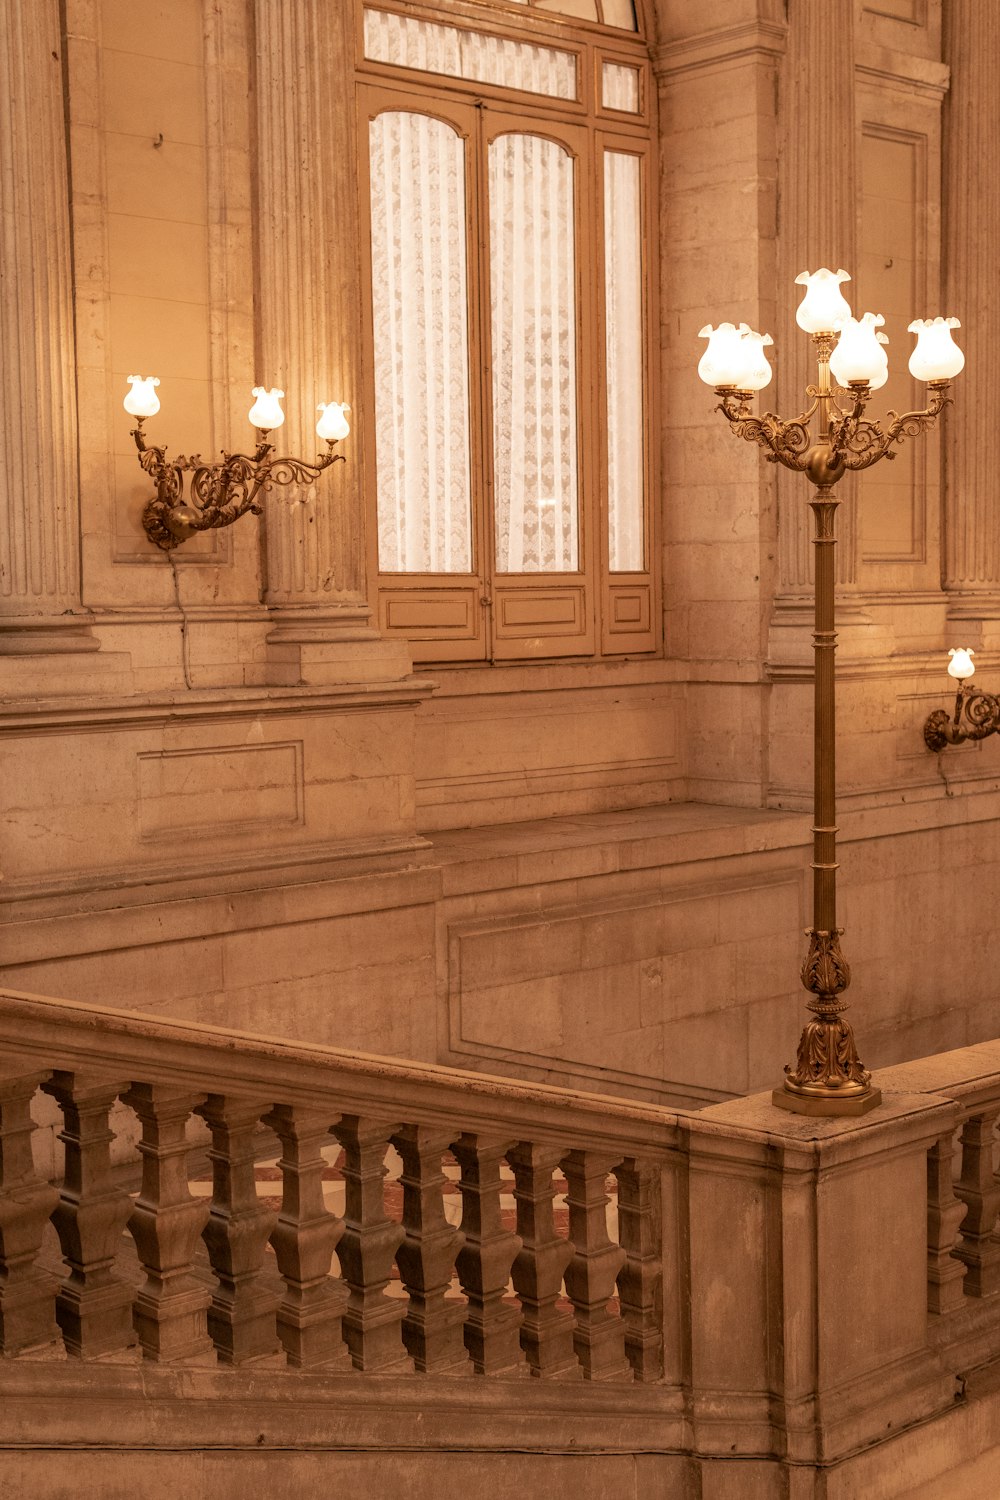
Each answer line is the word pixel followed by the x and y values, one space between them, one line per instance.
pixel 420 320
pixel 620 88
pixel 533 325
pixel 407 42
pixel 623 319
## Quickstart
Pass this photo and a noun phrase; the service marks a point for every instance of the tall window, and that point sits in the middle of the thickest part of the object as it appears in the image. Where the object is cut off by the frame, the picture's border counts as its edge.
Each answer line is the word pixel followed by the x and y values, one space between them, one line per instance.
pixel 508 199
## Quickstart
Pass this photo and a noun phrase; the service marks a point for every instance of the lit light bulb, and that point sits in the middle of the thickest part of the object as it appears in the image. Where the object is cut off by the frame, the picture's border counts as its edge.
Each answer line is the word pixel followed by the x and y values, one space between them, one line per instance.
pixel 332 425
pixel 756 373
pixel 937 356
pixel 266 411
pixel 142 400
pixel 724 362
pixel 859 354
pixel 961 664
pixel 824 304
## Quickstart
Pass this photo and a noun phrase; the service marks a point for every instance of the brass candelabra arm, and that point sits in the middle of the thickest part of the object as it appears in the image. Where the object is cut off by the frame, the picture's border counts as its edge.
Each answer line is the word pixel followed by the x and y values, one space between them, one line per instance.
pixel 976 716
pixel 861 444
pixel 220 493
pixel 786 442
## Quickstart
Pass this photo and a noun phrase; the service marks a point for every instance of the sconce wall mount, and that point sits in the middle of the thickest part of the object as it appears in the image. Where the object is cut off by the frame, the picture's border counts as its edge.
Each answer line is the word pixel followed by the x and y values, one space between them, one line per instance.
pixel 976 715
pixel 220 493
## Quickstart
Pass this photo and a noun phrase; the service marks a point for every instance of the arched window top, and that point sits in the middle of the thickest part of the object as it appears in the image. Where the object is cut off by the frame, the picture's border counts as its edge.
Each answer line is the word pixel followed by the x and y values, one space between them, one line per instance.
pixel 617 13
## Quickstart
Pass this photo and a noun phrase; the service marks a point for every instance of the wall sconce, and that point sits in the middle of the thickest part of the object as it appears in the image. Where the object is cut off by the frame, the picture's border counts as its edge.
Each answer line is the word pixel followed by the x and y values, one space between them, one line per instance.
pixel 980 711
pixel 831 437
pixel 222 492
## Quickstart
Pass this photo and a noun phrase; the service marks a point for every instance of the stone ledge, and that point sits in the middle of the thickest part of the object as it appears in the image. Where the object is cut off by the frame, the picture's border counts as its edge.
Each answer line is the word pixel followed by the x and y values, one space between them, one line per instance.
pixel 201 705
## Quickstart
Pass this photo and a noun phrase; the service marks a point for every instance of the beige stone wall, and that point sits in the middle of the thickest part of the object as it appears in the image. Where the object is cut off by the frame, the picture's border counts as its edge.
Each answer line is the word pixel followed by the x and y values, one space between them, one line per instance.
pixel 653 952
pixel 243 807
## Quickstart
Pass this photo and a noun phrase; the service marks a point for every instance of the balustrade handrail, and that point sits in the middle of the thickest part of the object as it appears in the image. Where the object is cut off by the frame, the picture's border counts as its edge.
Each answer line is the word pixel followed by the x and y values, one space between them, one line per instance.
pixel 969 1075
pixel 71 1035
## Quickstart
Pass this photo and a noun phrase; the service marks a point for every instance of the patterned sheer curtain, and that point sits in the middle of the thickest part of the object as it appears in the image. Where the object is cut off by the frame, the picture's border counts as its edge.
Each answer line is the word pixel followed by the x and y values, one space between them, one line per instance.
pixel 408 42
pixel 420 315
pixel 624 351
pixel 533 327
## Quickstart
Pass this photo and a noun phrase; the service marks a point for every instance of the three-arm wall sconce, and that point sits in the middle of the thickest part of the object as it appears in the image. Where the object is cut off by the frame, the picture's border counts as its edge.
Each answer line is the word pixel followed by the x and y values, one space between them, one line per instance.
pixel 222 492
pixel 977 714
pixel 829 1077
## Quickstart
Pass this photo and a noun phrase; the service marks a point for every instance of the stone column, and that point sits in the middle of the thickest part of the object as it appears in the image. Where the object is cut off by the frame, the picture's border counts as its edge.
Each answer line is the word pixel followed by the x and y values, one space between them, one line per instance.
pixel 971 225
pixel 817 215
pixel 309 337
pixel 40 603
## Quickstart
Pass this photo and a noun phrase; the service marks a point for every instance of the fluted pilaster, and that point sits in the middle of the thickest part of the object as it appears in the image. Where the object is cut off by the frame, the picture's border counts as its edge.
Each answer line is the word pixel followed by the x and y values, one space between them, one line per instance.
pixel 817 197
pixel 971 223
pixel 40 608
pixel 309 324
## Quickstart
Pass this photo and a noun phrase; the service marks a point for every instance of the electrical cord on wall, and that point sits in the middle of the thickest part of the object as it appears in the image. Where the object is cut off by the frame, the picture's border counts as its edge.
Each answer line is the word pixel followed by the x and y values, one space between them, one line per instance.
pixel 941 772
pixel 185 643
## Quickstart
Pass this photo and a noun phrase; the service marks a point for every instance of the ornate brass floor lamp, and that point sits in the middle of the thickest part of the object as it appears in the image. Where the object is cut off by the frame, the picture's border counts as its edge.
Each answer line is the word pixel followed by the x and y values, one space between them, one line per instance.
pixel 829 1077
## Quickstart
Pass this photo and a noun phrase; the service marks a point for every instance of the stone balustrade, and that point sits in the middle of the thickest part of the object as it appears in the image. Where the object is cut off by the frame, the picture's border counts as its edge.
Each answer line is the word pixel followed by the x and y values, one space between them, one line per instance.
pixel 963 1199
pixel 528 1283
pixel 237 1232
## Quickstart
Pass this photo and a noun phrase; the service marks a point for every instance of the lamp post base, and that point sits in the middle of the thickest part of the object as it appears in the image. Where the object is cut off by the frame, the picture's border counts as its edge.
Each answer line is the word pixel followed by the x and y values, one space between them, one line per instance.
pixel 830 1105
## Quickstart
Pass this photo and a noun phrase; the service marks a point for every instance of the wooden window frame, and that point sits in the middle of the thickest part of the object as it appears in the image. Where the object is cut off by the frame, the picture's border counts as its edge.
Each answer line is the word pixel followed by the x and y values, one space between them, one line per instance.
pixel 486 615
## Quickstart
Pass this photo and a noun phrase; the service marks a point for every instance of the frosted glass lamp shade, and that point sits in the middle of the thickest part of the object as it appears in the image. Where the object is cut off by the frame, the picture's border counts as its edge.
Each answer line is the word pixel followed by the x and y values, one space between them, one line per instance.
pixel 937 356
pixel 824 304
pixel 266 411
pixel 724 362
pixel 142 400
pixel 332 425
pixel 756 370
pixel 859 354
pixel 961 664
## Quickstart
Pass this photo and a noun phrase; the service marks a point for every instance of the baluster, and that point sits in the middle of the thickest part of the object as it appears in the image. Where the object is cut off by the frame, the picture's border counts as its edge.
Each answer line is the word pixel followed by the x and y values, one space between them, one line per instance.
pixel 484 1261
pixel 27 1292
pixel 640 1279
pixel 166 1224
pixel 432 1328
pixel 979 1189
pixel 547 1330
pixel 369 1244
pixel 304 1240
pixel 945 1212
pixel 241 1318
pixel 591 1274
pixel 94 1306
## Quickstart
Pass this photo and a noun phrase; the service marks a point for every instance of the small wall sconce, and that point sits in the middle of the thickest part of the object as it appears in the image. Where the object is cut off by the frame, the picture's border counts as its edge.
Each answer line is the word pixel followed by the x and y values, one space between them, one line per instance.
pixel 977 714
pixel 222 492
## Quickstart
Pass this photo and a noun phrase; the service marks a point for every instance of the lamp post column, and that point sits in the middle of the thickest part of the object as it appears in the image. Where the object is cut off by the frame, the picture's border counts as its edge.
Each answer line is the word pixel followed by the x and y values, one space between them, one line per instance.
pixel 828 1077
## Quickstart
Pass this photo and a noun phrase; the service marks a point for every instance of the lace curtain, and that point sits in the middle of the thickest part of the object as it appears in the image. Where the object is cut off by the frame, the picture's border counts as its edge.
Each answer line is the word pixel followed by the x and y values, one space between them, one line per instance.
pixel 533 326
pixel 624 349
pixel 407 42
pixel 419 305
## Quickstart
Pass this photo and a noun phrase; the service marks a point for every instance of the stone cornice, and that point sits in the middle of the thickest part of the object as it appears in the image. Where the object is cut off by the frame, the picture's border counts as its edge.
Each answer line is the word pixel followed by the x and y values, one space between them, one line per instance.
pixel 751 39
pixel 919 75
